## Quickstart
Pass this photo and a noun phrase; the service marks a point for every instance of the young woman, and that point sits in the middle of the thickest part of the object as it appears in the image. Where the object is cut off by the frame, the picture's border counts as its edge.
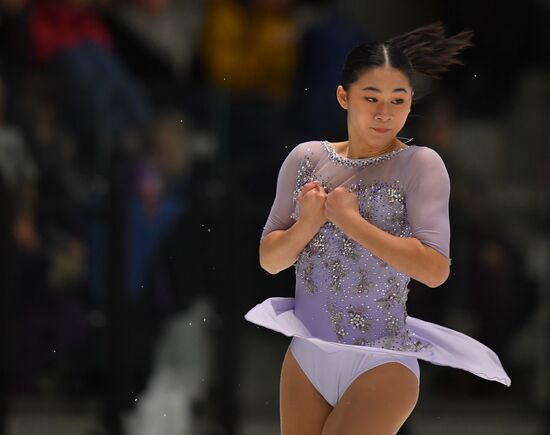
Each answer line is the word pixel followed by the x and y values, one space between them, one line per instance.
pixel 358 219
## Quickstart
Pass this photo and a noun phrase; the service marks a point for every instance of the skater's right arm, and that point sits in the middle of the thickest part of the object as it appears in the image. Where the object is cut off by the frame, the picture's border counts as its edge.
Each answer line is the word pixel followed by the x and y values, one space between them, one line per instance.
pixel 280 248
pixel 283 237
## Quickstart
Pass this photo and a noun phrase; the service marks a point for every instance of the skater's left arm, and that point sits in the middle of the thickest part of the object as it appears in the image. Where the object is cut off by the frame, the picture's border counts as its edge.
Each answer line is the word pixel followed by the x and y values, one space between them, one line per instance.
pixel 424 256
pixel 406 254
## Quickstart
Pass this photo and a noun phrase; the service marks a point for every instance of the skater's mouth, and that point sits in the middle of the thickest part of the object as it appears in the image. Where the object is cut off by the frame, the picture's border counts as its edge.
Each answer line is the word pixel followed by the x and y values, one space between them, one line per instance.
pixel 382 130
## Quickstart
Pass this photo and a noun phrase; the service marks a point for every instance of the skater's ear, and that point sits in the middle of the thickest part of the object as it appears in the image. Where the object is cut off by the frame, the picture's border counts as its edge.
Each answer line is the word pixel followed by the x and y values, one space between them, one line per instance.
pixel 342 97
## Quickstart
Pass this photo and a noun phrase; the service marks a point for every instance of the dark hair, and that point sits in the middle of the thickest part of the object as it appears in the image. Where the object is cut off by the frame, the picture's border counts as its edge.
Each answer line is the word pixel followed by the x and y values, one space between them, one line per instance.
pixel 425 50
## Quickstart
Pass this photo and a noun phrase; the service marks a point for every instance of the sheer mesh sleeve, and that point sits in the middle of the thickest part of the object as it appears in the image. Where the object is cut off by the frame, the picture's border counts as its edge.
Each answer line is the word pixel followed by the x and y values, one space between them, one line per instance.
pixel 427 200
pixel 280 216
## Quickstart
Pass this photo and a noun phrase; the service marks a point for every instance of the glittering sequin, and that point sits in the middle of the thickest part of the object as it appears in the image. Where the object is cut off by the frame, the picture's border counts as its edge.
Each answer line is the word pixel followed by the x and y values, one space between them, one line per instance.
pixel 387 301
pixel 336 273
pixel 358 163
pixel 316 246
pixel 393 296
pixel 336 317
pixel 305 175
pixel 359 341
pixel 383 204
pixel 392 326
pixel 307 273
pixel 358 318
pixel 348 248
pixel 362 288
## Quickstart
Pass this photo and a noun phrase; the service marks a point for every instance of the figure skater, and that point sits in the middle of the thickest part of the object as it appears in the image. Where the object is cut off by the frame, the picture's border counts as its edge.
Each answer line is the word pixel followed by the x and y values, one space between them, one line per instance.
pixel 358 219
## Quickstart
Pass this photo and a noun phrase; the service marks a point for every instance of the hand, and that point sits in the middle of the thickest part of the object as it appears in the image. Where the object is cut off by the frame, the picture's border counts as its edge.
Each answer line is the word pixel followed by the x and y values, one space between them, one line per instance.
pixel 340 206
pixel 311 203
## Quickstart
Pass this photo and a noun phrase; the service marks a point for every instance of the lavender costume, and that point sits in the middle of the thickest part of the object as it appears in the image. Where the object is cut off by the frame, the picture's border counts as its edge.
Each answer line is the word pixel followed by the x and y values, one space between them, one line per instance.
pixel 347 300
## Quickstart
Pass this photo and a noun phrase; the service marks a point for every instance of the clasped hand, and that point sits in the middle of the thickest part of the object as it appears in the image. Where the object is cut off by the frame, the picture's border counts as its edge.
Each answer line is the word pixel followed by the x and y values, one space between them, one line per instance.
pixel 317 206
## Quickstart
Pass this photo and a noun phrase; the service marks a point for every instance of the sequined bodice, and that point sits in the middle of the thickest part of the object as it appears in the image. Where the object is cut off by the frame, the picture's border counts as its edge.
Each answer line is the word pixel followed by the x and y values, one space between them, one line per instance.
pixel 343 292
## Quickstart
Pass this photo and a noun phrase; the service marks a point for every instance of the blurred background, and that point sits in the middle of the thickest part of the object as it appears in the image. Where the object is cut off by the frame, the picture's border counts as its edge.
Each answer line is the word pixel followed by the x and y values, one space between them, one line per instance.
pixel 140 142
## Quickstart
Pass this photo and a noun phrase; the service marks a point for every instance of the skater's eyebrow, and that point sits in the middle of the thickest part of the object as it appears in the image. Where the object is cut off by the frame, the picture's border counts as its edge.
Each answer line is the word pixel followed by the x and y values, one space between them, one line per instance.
pixel 372 88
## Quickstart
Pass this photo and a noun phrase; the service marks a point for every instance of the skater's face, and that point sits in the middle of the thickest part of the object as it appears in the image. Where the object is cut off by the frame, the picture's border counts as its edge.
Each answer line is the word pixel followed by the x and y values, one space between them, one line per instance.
pixel 379 99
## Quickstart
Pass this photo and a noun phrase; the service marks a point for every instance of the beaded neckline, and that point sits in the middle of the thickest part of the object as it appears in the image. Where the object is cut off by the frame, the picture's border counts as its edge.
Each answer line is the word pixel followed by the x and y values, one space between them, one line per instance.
pixel 364 161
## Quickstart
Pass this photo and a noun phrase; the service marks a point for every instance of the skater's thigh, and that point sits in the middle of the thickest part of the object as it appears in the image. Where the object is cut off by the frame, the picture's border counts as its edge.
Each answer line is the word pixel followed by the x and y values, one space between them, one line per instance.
pixel 378 402
pixel 303 409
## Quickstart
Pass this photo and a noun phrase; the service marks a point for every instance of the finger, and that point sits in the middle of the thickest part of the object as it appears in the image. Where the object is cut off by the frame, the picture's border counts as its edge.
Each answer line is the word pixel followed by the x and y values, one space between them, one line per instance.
pixel 308 186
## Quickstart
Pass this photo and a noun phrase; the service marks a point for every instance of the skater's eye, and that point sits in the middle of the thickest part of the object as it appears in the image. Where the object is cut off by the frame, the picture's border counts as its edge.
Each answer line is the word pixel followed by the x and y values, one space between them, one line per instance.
pixel 374 100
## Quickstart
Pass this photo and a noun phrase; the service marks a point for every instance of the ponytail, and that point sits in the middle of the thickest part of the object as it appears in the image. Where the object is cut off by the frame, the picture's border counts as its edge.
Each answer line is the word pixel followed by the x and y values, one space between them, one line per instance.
pixel 430 51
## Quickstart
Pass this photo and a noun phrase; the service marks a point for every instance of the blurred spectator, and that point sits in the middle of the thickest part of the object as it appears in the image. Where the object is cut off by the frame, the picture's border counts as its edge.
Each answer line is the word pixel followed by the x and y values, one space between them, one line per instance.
pixel 17 167
pixel 250 46
pixel 323 48
pixel 60 25
pixel 157 198
pixel 18 174
pixel 64 200
pixel 167 30
pixel 100 103
pixel 155 204
pixel 50 324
